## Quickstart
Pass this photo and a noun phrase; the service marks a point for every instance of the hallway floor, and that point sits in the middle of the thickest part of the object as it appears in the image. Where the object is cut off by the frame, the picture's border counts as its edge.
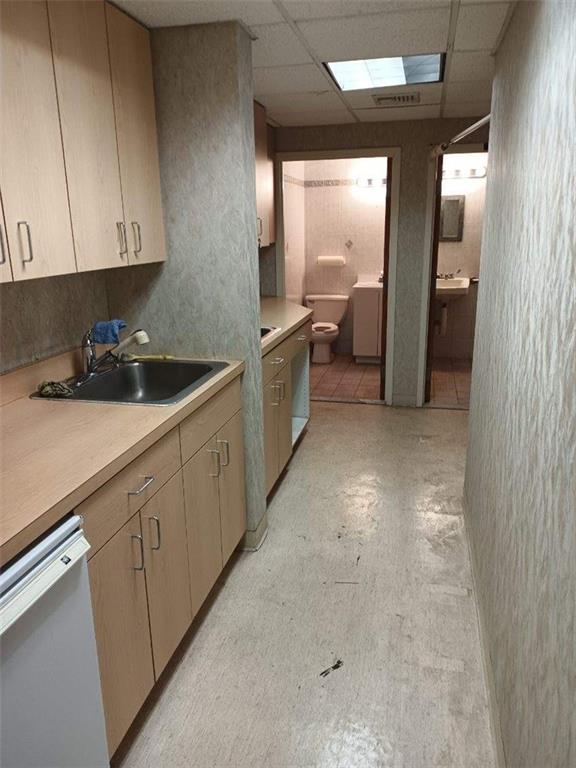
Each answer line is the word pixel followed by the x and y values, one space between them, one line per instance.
pixel 450 383
pixel 366 570
pixel 343 379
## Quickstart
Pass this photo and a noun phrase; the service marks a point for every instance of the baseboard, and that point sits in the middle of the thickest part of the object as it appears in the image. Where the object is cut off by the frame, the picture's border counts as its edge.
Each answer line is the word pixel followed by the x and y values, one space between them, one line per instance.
pixel 493 710
pixel 253 540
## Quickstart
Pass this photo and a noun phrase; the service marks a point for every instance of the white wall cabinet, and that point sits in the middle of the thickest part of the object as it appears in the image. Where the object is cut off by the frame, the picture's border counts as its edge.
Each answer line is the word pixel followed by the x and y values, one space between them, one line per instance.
pixel 79 171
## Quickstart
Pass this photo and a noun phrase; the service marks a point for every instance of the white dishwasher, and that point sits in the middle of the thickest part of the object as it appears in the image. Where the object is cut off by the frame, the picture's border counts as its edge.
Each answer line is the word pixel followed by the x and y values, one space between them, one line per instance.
pixel 50 697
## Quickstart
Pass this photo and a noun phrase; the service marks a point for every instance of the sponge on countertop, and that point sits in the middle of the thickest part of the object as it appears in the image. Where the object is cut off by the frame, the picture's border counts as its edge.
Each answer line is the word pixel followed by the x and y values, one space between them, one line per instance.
pixel 107 331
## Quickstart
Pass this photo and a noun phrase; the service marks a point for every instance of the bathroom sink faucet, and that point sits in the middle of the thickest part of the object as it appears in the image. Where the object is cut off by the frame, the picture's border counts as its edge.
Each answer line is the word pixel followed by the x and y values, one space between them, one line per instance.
pixel 92 363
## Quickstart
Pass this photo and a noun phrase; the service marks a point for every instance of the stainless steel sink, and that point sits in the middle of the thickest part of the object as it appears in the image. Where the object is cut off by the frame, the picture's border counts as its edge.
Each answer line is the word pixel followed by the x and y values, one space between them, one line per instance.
pixel 265 330
pixel 148 382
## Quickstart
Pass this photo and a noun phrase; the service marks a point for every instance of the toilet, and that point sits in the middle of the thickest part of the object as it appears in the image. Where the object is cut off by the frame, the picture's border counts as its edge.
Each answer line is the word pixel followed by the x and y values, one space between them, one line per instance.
pixel 328 311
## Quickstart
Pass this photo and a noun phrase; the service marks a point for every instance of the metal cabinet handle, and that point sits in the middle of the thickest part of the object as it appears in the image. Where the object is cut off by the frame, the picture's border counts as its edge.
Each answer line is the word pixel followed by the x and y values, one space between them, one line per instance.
pixel 149 479
pixel 158 533
pixel 141 542
pixel 282 386
pixel 278 361
pixel 303 337
pixel 226 461
pixel 276 387
pixel 137 237
pixel 29 239
pixel 218 462
pixel 260 227
pixel 3 247
pixel 122 241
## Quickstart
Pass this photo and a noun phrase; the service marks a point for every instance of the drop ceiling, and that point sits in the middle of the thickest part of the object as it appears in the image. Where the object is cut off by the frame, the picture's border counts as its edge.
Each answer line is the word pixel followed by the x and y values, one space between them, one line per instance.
pixel 292 39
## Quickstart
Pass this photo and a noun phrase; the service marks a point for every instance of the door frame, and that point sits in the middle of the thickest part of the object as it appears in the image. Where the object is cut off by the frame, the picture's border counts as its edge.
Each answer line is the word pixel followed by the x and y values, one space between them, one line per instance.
pixel 430 259
pixel 393 154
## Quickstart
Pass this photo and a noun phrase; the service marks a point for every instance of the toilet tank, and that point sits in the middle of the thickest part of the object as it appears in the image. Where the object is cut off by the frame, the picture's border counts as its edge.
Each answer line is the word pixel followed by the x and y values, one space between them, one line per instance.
pixel 328 307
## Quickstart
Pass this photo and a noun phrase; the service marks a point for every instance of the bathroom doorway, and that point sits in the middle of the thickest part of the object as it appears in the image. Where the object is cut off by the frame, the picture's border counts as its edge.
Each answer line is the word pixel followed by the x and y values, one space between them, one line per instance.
pixel 459 215
pixel 338 232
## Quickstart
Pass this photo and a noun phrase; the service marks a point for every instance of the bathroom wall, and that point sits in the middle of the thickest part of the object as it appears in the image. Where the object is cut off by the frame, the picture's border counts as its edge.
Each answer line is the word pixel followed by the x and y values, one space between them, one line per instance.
pixel 295 230
pixel 205 300
pixel 344 219
pixel 520 490
pixel 415 138
pixel 41 318
pixel 463 255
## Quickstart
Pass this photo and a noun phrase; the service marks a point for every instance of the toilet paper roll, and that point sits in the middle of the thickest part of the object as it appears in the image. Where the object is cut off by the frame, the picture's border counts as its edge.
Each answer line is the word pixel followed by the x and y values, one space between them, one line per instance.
pixel 331 261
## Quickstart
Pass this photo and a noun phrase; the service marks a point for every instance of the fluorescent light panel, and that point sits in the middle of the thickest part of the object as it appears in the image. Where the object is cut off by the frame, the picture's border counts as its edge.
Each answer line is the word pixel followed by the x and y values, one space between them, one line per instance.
pixel 362 74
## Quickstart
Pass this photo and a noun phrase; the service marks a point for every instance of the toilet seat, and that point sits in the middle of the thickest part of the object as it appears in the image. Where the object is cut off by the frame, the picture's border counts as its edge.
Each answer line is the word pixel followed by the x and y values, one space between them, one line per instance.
pixel 324 328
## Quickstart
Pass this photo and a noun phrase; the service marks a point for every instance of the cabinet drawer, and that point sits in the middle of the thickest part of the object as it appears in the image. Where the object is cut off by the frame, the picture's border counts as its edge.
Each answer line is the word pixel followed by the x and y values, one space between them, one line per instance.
pixel 284 352
pixel 198 428
pixel 107 510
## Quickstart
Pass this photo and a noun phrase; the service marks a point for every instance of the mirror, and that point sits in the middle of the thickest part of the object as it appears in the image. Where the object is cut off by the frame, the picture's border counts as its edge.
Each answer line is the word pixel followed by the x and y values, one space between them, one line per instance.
pixel 452 218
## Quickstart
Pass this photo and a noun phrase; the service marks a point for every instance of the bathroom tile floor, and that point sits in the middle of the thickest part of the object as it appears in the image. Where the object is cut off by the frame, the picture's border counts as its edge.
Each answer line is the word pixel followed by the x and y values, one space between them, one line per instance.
pixel 450 383
pixel 366 563
pixel 343 379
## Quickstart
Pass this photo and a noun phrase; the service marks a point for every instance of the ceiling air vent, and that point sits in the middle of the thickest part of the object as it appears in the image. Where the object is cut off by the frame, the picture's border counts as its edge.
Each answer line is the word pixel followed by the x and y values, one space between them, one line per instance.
pixel 394 100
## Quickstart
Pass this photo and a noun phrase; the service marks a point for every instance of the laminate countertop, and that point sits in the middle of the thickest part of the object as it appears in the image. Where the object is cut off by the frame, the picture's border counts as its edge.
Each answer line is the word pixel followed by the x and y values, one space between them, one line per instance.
pixel 285 315
pixel 55 453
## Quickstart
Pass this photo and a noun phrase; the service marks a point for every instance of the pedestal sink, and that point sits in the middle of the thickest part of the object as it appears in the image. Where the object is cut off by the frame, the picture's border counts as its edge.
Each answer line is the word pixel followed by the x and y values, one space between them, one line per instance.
pixel 448 288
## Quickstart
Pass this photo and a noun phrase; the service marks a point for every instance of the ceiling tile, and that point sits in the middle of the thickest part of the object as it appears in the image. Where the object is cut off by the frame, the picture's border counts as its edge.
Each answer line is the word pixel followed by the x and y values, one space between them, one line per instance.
pixel 159 13
pixel 301 10
pixel 398 113
pixel 471 109
pixel 301 102
pixel 392 34
pixel 471 66
pixel 320 117
pixel 430 93
pixel 277 45
pixel 479 26
pixel 468 91
pixel 302 77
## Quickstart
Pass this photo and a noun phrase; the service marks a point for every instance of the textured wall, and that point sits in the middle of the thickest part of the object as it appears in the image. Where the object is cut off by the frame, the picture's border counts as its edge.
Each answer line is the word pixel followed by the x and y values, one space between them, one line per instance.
pixel 520 492
pixel 415 139
pixel 205 300
pixel 294 231
pixel 40 318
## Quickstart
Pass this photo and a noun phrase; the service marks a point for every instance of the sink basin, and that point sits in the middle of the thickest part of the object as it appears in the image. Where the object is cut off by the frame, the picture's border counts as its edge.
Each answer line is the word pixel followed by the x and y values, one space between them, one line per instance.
pixel 451 287
pixel 147 382
pixel 266 329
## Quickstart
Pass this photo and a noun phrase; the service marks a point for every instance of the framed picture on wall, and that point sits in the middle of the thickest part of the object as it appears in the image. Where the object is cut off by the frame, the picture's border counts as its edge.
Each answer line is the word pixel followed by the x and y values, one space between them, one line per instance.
pixel 452 218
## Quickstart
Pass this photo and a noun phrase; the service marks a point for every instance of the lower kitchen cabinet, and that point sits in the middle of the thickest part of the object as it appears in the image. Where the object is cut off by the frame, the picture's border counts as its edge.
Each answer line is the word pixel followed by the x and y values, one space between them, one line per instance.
pixel 119 601
pixel 162 533
pixel 202 495
pixel 166 566
pixel 215 506
pixel 277 424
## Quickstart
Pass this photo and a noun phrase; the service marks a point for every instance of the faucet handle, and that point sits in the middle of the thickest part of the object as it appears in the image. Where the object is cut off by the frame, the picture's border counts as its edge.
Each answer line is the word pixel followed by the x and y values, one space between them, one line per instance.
pixel 88 352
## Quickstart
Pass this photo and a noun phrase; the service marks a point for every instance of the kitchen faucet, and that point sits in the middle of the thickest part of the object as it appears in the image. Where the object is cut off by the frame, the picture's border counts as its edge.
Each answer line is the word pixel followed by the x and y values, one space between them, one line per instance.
pixel 92 364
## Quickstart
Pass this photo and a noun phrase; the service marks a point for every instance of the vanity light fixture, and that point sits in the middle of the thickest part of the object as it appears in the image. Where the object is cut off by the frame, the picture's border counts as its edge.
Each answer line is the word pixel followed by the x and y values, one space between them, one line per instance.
pixel 361 74
pixel 466 173
pixel 370 183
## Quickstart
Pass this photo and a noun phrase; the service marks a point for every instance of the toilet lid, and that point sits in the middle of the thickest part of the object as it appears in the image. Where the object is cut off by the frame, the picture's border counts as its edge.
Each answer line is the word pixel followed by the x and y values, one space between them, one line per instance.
pixel 324 327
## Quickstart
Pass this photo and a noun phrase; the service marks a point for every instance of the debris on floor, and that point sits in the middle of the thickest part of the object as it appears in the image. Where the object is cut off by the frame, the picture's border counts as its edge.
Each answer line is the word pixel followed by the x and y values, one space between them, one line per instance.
pixel 336 665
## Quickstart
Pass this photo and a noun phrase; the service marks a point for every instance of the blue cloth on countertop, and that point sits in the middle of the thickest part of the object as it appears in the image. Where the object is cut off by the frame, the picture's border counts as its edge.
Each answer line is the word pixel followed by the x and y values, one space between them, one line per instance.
pixel 107 331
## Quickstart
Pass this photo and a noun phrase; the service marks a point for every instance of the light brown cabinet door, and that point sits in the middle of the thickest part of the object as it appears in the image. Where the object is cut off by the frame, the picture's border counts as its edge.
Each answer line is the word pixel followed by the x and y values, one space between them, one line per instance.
pixel 32 173
pixel 201 493
pixel 5 268
pixel 133 88
pixel 232 485
pixel 167 578
pixel 264 177
pixel 82 67
pixel 271 394
pixel 284 383
pixel 122 630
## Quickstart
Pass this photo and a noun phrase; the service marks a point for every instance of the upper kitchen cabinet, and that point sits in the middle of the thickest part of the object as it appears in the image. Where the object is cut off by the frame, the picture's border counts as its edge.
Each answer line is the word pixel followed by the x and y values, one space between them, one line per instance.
pixel 5 268
pixel 84 87
pixel 38 233
pixel 133 89
pixel 263 137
